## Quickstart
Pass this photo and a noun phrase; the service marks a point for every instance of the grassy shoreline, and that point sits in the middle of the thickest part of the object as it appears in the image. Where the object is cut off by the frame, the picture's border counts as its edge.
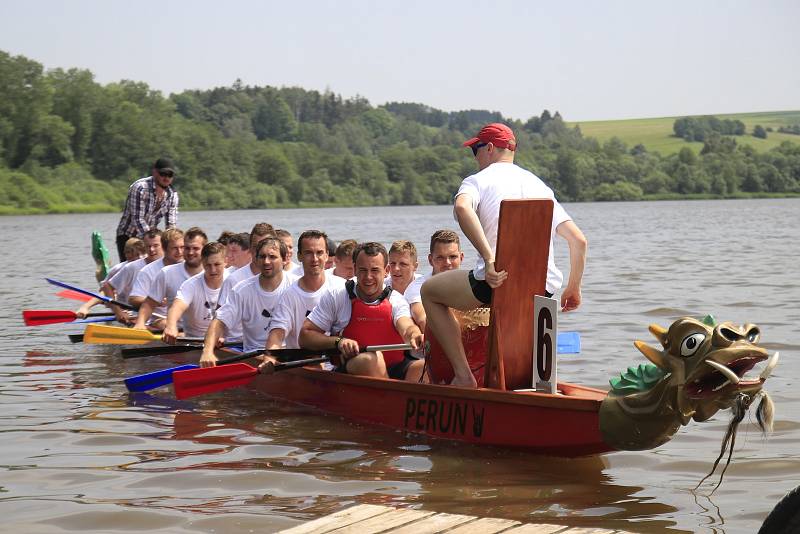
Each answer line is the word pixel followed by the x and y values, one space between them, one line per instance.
pixel 67 210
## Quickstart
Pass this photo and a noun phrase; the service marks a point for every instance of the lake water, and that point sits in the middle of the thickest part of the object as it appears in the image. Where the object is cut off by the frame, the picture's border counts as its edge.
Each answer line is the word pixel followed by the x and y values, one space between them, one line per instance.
pixel 77 453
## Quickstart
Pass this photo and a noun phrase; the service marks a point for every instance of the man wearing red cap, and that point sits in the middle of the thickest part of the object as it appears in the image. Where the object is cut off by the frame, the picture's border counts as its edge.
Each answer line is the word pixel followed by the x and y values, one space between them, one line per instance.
pixel 477 210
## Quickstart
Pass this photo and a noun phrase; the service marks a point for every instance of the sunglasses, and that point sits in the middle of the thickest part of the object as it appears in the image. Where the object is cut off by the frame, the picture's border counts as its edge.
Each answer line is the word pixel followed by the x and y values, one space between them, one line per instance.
pixel 166 174
pixel 476 147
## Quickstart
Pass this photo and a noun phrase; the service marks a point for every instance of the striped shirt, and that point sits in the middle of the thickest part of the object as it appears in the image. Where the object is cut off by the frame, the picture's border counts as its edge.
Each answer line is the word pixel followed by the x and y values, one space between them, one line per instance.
pixel 142 212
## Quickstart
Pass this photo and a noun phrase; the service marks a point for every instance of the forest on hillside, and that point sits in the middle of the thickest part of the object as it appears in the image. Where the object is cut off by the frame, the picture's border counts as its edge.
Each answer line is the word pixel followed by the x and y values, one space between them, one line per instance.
pixel 70 144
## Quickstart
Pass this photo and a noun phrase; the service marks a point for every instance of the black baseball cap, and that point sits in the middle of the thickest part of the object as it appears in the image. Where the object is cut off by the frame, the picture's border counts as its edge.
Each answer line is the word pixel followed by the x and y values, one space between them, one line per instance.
pixel 165 164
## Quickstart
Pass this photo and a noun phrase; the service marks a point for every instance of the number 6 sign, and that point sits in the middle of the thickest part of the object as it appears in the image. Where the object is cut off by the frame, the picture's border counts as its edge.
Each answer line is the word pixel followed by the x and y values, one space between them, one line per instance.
pixel 545 330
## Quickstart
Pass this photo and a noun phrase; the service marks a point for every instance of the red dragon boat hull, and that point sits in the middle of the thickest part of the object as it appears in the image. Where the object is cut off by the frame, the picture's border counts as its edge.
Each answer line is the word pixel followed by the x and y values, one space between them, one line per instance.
pixel 565 424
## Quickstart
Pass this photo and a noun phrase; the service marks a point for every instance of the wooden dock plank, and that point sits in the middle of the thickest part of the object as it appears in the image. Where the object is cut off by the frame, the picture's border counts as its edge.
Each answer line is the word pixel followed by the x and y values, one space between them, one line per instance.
pixel 374 519
pixel 484 525
pixel 384 522
pixel 342 518
pixel 590 530
pixel 536 528
pixel 435 523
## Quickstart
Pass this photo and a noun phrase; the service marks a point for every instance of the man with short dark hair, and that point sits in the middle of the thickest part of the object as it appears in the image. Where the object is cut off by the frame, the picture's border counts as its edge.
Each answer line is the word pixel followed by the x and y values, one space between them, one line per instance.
pixel 259 232
pixel 149 200
pixel 237 251
pixel 477 210
pixel 343 260
pixel 251 304
pixel 364 313
pixel 304 294
pixel 445 255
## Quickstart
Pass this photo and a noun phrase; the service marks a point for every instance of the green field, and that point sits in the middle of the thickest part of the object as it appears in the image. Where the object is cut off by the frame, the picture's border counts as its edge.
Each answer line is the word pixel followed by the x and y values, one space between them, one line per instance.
pixel 656 134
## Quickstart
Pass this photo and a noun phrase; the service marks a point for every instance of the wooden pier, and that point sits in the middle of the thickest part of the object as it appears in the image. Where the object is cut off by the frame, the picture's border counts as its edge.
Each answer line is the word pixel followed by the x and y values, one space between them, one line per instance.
pixel 374 519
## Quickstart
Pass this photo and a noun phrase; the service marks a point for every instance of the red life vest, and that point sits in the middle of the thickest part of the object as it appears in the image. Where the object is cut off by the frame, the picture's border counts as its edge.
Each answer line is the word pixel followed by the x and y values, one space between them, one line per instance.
pixel 371 324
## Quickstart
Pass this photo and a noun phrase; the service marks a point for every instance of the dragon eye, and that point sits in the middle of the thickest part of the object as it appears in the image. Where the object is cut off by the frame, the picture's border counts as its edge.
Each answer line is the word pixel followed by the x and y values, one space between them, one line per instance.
pixel 691 343
pixel 753 335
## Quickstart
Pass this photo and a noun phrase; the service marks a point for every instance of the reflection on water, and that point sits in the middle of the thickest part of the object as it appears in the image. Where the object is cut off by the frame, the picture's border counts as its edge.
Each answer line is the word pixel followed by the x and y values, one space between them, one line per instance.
pixel 80 453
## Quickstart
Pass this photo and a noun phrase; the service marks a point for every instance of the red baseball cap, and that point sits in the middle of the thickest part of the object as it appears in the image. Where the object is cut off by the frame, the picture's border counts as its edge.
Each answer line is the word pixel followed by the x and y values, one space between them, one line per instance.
pixel 496 133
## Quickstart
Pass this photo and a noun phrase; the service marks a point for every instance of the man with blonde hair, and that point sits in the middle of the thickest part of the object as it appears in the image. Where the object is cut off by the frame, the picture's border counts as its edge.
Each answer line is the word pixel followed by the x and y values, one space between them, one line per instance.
pixel 167 282
pixel 197 300
pixel 402 265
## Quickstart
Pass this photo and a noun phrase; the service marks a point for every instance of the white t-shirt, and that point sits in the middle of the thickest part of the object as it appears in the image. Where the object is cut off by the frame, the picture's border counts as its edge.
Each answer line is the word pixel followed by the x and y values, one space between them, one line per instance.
pixel 167 282
pixel 112 271
pixel 144 279
pixel 332 314
pixel 296 269
pixel 296 305
pixel 122 281
pixel 250 310
pixel 412 293
pixel 203 303
pixel 329 272
pixel 238 275
pixel 388 280
pixel 500 181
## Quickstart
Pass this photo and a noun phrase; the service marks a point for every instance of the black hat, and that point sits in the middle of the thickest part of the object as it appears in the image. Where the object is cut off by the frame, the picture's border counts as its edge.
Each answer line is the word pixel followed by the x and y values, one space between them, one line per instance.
pixel 165 164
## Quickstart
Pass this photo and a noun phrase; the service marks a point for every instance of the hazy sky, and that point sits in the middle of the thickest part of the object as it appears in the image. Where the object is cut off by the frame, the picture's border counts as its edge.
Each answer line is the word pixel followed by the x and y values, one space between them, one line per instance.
pixel 589 60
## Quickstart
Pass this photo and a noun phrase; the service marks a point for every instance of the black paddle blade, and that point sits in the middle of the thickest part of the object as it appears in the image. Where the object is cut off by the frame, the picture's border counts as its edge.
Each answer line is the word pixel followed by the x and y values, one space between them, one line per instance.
pixel 76 338
pixel 157 351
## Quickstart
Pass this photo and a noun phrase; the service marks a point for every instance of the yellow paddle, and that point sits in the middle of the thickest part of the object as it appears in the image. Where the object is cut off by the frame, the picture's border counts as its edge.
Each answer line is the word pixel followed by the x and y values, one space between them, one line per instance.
pixel 120 335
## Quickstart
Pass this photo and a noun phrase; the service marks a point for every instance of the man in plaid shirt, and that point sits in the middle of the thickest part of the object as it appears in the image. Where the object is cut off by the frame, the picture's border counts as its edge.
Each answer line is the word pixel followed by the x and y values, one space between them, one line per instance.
pixel 149 199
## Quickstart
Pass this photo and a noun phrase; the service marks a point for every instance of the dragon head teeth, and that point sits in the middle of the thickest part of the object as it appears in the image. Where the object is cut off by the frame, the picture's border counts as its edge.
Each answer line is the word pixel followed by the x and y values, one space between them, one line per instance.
pixel 730 375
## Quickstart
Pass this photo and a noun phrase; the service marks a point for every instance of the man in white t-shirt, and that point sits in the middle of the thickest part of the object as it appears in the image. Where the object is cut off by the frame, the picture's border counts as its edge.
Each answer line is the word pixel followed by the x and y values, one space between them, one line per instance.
pixel 135 250
pixel 445 255
pixel 304 294
pixel 166 284
pixel 343 260
pixel 237 251
pixel 402 265
pixel 251 304
pixel 172 244
pixel 289 265
pixel 260 231
pixel 362 314
pixel 477 210
pixel 197 300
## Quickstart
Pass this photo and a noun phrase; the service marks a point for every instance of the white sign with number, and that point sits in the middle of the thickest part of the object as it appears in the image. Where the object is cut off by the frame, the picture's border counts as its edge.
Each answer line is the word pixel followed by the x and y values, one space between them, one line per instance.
pixel 545 333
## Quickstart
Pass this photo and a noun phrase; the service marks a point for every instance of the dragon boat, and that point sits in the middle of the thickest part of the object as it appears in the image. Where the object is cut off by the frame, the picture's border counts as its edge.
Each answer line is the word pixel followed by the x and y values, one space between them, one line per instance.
pixel 698 369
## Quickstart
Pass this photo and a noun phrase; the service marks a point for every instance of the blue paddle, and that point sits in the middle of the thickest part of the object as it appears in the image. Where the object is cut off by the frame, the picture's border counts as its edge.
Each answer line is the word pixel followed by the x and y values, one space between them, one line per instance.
pixel 163 377
pixel 568 343
pixel 105 299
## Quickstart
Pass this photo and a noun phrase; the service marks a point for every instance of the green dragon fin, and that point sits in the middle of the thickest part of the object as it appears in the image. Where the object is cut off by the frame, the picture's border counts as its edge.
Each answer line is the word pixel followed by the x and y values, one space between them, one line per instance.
pixel 100 255
pixel 635 379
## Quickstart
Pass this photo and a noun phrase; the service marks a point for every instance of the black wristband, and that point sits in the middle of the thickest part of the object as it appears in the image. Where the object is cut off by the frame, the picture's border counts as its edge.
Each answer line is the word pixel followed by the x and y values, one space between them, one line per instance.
pixel 336 343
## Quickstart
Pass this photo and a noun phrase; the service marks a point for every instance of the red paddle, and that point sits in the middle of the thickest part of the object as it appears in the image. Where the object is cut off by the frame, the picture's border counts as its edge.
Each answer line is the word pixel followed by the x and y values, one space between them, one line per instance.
pixel 74 295
pixel 42 317
pixel 193 382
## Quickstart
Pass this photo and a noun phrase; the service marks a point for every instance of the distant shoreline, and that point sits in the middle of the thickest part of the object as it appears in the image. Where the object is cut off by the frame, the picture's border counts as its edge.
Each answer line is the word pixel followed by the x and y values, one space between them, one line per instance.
pixel 11 212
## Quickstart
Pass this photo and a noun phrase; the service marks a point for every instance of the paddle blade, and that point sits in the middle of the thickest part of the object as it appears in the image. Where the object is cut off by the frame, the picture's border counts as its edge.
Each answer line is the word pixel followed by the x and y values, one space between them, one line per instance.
pixel 74 295
pixel 76 338
pixel 568 343
pixel 117 335
pixel 210 379
pixel 41 317
pixel 95 320
pixel 158 351
pixel 155 379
